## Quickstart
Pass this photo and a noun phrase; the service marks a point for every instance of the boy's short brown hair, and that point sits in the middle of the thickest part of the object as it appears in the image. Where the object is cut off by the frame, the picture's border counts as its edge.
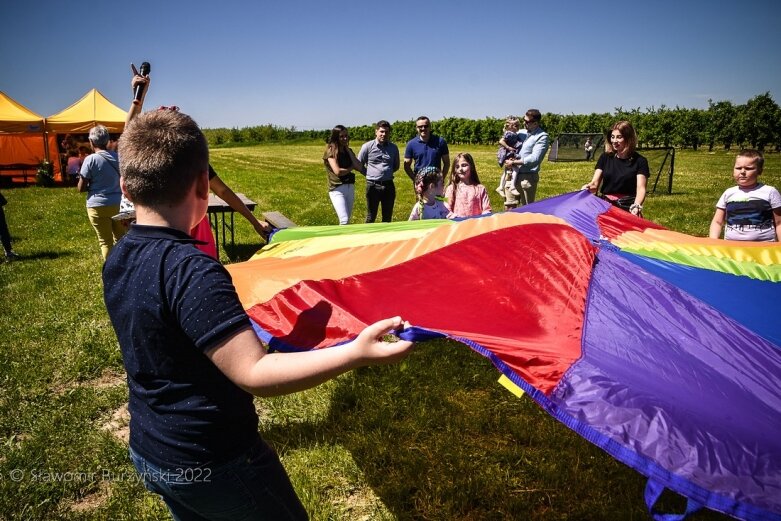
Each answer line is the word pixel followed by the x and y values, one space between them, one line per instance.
pixel 161 155
pixel 750 153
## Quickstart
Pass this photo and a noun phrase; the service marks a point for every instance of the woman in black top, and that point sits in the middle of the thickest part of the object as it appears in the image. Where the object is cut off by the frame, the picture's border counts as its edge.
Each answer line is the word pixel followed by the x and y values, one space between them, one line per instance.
pixel 622 172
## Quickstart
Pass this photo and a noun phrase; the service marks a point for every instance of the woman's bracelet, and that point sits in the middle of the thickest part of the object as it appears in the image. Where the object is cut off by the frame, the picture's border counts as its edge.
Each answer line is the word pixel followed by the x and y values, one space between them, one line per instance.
pixel 636 206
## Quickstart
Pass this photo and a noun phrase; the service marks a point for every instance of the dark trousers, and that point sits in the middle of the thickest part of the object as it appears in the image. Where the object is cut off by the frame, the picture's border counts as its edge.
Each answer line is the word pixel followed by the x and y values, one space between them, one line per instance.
pixel 5 235
pixel 380 193
pixel 251 486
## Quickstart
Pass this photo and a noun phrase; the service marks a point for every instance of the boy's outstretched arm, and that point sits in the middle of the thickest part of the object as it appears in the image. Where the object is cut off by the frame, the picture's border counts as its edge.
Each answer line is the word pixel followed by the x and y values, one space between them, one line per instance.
pixel 243 359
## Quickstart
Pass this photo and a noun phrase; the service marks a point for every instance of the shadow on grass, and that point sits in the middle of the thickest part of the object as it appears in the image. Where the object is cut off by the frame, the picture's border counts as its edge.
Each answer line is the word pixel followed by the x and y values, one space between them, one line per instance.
pixel 48 255
pixel 240 252
pixel 309 330
pixel 437 438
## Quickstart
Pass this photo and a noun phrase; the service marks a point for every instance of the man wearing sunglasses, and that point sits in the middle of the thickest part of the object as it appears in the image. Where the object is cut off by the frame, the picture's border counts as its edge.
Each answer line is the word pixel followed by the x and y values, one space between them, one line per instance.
pixel 528 160
pixel 426 149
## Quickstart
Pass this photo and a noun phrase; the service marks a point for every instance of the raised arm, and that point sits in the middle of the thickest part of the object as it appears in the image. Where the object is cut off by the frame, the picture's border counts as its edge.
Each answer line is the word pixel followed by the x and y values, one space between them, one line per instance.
pixel 245 362
pixel 135 108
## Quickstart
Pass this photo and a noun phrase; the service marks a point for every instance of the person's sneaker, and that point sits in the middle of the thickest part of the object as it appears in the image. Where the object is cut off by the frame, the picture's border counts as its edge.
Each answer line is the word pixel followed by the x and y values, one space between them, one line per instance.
pixel 515 192
pixel 11 256
pixel 500 191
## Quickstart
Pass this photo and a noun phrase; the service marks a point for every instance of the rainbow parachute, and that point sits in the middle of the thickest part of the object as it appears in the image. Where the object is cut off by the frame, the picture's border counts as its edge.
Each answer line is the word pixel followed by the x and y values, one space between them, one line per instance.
pixel 661 348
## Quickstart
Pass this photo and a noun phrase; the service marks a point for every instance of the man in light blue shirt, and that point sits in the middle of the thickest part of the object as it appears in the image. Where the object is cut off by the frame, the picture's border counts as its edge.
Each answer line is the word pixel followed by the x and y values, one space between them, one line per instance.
pixel 380 159
pixel 528 161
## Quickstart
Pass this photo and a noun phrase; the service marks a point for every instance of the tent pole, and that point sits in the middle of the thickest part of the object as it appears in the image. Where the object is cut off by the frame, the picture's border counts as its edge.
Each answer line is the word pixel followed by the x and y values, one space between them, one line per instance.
pixel 46 146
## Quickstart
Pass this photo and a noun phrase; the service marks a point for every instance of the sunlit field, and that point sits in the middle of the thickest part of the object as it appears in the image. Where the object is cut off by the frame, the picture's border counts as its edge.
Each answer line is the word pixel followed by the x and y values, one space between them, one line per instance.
pixel 435 437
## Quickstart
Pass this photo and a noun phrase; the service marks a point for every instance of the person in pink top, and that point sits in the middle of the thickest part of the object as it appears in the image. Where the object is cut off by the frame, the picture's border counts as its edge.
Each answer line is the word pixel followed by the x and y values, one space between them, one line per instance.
pixel 464 195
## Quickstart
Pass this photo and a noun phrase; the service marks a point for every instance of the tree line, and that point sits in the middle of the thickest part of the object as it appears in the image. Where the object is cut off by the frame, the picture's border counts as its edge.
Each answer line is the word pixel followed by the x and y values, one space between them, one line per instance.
pixel 755 124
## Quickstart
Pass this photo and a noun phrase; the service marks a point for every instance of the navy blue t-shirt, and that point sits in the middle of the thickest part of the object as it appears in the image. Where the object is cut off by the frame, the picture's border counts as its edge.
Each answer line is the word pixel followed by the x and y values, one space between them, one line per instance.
pixel 426 153
pixel 169 303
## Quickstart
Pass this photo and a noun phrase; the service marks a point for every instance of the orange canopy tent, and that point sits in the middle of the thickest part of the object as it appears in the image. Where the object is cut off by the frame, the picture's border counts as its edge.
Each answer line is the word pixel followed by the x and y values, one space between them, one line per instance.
pixel 22 139
pixel 92 109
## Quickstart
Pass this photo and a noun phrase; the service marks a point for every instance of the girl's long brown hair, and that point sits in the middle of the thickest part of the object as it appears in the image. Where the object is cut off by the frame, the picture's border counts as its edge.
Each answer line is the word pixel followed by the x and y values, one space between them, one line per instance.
pixel 455 181
pixel 333 140
pixel 630 137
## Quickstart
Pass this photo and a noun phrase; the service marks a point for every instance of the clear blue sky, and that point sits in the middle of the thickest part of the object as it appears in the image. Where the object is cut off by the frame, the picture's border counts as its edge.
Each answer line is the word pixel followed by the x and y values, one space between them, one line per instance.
pixel 315 64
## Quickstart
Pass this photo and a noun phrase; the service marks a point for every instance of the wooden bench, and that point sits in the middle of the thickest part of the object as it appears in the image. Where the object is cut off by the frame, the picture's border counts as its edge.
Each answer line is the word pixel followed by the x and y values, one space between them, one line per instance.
pixel 19 171
pixel 278 221
pixel 216 213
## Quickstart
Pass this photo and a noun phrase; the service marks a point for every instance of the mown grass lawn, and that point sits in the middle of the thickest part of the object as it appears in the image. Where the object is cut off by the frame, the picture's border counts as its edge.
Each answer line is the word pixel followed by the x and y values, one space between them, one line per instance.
pixel 434 437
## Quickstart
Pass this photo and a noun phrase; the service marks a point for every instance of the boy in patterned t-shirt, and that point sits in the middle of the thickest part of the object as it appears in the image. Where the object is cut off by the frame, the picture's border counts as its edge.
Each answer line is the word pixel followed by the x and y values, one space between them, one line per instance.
pixel 752 210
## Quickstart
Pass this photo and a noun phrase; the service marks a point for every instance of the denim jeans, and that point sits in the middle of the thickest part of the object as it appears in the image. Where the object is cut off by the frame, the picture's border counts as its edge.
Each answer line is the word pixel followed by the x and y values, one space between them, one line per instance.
pixel 253 486
pixel 380 194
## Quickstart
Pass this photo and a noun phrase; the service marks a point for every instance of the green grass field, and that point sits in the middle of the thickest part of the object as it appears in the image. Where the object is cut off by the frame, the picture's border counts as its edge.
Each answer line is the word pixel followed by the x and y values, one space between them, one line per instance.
pixel 434 437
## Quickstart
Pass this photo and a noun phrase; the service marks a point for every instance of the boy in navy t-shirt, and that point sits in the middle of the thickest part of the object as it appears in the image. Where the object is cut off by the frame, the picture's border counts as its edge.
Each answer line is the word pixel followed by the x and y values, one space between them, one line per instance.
pixel 193 362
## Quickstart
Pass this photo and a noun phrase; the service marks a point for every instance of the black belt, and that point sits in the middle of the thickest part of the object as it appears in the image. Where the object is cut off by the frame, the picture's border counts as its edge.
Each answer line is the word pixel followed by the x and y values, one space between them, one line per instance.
pixel 379 183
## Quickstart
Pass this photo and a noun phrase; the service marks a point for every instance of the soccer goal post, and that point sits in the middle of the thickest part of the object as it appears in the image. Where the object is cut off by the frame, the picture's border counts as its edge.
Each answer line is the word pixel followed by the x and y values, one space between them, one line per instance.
pixel 661 165
pixel 581 146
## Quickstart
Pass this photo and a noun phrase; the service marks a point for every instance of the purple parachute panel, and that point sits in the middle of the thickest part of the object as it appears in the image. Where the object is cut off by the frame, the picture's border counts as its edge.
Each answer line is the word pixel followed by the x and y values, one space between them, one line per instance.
pixel 677 390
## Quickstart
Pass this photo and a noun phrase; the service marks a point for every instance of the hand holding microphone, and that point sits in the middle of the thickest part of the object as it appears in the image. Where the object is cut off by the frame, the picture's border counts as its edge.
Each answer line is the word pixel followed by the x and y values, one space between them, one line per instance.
pixel 138 90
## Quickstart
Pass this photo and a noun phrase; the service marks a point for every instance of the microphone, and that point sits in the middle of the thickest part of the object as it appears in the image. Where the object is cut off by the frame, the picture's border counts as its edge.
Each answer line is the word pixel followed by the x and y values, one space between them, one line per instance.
pixel 138 92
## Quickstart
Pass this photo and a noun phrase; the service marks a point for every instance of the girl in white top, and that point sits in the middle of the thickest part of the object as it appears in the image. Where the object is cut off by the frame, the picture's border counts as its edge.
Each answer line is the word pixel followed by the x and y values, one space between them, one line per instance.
pixel 429 186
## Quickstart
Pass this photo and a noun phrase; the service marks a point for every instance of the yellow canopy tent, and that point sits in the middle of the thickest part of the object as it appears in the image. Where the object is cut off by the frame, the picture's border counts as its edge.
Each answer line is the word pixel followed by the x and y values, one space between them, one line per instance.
pixel 93 109
pixel 22 139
